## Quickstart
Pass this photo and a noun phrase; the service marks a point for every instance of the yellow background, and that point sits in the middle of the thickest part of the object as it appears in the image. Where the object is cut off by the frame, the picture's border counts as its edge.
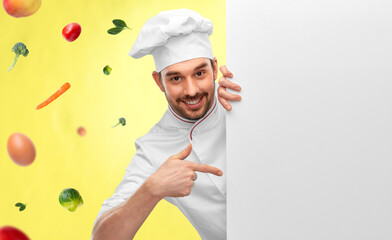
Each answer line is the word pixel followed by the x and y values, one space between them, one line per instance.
pixel 94 164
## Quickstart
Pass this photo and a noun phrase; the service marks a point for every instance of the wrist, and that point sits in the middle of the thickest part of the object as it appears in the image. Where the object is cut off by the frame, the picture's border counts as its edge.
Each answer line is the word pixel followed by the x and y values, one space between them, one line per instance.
pixel 152 189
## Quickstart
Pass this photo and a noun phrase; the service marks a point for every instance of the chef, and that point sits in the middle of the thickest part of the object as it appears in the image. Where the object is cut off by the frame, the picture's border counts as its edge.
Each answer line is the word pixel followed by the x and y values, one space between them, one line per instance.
pixel 182 159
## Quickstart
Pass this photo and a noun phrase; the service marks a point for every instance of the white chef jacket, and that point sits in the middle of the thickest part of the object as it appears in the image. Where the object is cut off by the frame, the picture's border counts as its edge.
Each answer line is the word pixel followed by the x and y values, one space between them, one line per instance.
pixel 205 207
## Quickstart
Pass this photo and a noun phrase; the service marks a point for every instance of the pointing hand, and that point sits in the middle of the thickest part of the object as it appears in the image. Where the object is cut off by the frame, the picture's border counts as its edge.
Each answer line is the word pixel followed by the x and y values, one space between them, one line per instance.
pixel 176 176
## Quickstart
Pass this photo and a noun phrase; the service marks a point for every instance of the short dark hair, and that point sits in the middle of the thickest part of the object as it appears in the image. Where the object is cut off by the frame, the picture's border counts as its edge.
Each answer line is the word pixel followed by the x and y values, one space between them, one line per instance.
pixel 212 64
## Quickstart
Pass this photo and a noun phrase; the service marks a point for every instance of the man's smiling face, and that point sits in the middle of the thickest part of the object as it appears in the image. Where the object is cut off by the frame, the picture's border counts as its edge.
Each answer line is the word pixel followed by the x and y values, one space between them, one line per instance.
pixel 189 86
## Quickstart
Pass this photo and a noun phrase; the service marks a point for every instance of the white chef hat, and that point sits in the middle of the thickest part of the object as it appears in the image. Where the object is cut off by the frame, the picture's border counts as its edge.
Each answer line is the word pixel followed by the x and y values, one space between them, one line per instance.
pixel 174 36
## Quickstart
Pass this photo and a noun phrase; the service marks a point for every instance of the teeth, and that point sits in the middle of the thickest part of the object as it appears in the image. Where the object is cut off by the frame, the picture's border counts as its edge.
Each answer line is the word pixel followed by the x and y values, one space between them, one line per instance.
pixel 193 102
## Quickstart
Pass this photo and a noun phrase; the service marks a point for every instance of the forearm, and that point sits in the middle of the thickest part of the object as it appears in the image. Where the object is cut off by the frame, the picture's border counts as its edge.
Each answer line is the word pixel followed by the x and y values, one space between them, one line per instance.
pixel 123 221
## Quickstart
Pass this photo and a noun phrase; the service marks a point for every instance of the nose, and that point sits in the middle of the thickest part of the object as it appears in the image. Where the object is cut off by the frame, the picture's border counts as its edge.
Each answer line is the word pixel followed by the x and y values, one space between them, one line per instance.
pixel 190 87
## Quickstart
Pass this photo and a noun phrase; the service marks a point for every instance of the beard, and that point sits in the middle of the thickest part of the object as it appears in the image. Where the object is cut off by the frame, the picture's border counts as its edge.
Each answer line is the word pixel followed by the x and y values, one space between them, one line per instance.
pixel 181 109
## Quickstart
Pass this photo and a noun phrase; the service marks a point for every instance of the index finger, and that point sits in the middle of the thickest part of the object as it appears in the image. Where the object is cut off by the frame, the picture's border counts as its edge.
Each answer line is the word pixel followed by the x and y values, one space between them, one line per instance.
pixel 205 168
pixel 184 153
pixel 225 71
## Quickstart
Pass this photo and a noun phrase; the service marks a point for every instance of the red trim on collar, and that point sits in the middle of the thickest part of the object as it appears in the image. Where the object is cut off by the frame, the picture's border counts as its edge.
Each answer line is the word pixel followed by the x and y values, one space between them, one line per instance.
pixel 179 117
pixel 203 119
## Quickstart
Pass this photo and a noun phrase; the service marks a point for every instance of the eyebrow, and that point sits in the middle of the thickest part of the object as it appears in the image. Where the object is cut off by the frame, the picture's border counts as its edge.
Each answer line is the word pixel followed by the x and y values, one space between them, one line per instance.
pixel 168 74
pixel 201 66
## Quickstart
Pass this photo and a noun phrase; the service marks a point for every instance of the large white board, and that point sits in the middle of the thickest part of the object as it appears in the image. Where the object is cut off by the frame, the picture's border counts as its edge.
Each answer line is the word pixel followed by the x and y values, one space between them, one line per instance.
pixel 310 146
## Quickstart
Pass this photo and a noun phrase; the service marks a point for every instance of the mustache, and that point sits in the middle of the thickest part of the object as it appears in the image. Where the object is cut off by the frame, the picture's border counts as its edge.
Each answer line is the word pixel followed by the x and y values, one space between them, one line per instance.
pixel 192 98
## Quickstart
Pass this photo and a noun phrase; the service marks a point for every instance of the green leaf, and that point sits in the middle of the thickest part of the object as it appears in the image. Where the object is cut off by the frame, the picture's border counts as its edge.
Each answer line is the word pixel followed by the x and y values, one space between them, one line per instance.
pixel 119 23
pixel 21 206
pixel 115 30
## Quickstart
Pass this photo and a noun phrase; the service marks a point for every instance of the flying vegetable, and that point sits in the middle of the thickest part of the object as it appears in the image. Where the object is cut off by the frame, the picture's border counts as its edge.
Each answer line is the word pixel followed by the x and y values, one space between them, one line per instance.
pixel 21 206
pixel 19 49
pixel 120 121
pixel 120 25
pixel 70 199
pixel 107 70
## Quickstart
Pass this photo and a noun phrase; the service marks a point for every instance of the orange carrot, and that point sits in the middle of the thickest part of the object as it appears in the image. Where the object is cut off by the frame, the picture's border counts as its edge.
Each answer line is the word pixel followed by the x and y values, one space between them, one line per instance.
pixel 55 95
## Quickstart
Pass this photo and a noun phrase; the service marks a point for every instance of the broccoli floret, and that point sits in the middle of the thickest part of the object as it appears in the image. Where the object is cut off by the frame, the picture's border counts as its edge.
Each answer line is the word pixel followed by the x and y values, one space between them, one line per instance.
pixel 19 49
pixel 120 121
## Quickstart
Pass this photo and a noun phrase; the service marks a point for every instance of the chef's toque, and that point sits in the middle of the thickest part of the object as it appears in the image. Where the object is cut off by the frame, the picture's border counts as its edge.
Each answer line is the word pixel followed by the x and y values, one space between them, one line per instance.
pixel 174 36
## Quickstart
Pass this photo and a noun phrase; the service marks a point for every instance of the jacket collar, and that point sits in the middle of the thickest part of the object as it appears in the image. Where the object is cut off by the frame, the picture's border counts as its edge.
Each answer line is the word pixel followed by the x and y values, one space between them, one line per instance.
pixel 181 122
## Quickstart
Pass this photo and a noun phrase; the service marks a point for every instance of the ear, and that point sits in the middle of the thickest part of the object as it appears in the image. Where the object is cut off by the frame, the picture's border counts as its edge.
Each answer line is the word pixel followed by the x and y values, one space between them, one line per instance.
pixel 155 75
pixel 215 68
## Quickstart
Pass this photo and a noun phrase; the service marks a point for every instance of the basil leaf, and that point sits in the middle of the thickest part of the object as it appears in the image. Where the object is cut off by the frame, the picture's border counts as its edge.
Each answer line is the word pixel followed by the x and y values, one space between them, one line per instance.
pixel 115 30
pixel 23 207
pixel 119 23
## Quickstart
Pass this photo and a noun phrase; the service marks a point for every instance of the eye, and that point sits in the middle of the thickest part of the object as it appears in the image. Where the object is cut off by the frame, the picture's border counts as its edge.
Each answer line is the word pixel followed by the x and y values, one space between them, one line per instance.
pixel 201 73
pixel 175 78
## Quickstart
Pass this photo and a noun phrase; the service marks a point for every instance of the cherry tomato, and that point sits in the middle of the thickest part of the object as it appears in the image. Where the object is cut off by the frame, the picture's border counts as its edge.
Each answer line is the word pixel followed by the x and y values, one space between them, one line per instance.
pixel 12 233
pixel 72 31
pixel 82 131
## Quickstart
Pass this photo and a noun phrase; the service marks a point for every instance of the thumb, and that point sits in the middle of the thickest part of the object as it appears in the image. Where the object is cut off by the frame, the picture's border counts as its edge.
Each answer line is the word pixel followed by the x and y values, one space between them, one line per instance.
pixel 184 153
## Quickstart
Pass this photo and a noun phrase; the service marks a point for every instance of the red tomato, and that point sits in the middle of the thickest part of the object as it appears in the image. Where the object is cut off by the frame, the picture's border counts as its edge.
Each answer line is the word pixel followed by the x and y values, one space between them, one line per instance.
pixel 72 31
pixel 82 132
pixel 12 233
